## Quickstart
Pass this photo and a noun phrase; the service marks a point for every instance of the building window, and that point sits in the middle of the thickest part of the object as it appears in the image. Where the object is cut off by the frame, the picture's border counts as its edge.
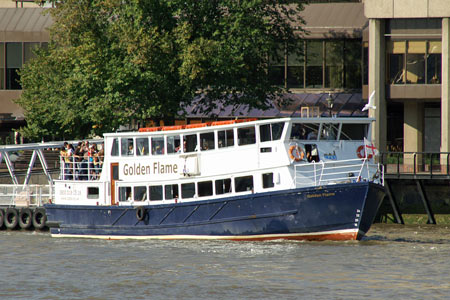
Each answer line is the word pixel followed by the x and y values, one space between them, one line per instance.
pixel 414 62
pixel 434 62
pixel 2 66
pixel 334 64
pixel 295 71
pixel 352 64
pixel 28 51
pixel 13 64
pixel 314 64
pixel 276 69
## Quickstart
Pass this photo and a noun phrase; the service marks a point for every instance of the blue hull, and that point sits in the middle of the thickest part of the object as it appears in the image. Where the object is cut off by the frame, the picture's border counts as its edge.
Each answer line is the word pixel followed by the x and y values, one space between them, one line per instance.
pixel 338 212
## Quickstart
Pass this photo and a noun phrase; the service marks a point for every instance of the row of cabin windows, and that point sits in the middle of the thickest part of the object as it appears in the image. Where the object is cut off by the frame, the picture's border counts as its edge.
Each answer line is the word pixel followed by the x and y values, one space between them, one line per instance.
pixel 188 190
pixel 171 144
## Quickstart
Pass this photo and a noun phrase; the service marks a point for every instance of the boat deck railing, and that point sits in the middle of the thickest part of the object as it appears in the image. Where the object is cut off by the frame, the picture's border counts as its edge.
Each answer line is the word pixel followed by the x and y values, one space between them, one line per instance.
pixel 335 172
pixel 25 195
pixel 73 168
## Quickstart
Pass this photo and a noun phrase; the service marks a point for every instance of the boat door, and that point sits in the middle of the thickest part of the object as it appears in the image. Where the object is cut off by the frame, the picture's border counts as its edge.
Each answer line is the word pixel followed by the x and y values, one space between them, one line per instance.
pixel 114 176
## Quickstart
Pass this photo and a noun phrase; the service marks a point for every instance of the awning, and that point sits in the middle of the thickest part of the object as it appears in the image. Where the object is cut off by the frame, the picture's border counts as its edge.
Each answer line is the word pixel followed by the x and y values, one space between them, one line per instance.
pixel 24 25
pixel 345 105
pixel 334 20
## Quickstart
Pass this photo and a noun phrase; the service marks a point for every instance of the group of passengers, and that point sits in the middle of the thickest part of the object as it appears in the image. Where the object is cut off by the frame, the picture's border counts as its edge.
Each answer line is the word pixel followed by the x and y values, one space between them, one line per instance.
pixel 84 162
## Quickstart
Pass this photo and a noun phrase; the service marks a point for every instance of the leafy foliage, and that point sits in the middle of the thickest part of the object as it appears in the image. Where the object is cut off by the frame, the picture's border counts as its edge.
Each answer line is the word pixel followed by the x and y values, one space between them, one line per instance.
pixel 111 61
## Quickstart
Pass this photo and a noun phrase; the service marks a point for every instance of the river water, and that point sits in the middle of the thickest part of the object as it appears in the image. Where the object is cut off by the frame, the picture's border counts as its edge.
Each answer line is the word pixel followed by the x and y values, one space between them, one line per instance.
pixel 392 261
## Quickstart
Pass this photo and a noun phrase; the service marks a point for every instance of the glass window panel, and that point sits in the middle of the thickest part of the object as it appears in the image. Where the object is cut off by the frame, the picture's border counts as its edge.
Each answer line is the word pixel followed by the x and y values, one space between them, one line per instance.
pixel 314 64
pixel 334 64
pixel 187 190
pixel 205 188
pixel 396 47
pixel 207 141
pixel 92 193
pixel 127 147
pixel 142 146
pixel 264 133
pixel 352 64
pixel 173 144
pixel 243 184
pixel 417 47
pixel 225 138
pixel 190 143
pixel 158 145
pixel 415 68
pixel 124 193
pixel 434 67
pixel 115 148
pixel 28 51
pixel 295 71
pixel 13 64
pixel 268 180
pixel 246 135
pixel 329 132
pixel 277 130
pixel 140 193
pixel 2 66
pixel 435 47
pixel 223 186
pixel 396 69
pixel 353 131
pixel 171 191
pixel 156 193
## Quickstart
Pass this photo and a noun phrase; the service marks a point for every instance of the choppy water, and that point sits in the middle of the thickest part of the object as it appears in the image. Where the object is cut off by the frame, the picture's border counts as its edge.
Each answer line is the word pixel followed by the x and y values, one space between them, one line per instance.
pixel 393 261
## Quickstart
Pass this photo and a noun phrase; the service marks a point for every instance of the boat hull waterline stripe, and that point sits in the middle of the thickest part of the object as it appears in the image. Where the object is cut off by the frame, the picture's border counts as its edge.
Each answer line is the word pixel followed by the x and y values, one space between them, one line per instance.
pixel 338 235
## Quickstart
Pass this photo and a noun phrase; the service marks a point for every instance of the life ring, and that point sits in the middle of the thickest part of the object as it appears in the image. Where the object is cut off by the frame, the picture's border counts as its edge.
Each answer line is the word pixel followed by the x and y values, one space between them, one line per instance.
pixel 39 218
pixel 25 218
pixel 360 152
pixel 140 213
pixel 11 218
pixel 296 153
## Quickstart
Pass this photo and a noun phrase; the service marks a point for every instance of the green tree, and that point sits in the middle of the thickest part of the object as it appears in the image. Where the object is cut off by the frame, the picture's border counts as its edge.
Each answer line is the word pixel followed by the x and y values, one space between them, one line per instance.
pixel 111 61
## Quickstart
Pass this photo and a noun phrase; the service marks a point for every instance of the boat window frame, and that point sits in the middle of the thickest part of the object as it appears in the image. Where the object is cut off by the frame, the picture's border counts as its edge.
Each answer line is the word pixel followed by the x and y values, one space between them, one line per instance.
pixel 145 194
pixel 153 149
pixel 151 193
pixel 142 152
pixel 175 150
pixel 90 195
pixel 125 150
pixel 241 140
pixel 250 188
pixel 223 186
pixel 226 139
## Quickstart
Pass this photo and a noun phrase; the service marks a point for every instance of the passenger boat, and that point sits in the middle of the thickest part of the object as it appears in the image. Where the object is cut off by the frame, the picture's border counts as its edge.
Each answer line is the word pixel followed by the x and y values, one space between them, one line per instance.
pixel 285 178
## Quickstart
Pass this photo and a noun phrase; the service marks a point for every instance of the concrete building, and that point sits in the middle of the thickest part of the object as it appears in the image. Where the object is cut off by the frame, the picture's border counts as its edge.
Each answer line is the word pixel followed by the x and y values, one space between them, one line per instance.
pixel 409 72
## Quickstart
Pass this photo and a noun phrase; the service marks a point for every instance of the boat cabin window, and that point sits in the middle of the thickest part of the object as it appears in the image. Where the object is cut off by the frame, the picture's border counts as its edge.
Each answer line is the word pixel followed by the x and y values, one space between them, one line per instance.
pixel 187 190
pixel 225 138
pixel 115 147
pixel 271 132
pixel 171 191
pixel 246 136
pixel 304 131
pixel 156 193
pixel 223 186
pixel 205 188
pixel 354 131
pixel 92 192
pixel 158 145
pixel 124 193
pixel 207 141
pixel 312 153
pixel 329 131
pixel 142 146
pixel 190 143
pixel 267 180
pixel 127 147
pixel 140 193
pixel 243 184
pixel 173 144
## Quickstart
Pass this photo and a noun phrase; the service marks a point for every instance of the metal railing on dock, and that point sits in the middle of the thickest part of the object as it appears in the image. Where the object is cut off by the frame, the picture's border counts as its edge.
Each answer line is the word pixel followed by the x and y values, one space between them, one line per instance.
pixel 416 164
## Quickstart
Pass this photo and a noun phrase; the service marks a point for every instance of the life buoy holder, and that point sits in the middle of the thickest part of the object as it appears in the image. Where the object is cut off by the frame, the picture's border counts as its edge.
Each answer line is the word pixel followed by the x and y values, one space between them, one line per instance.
pixel 360 152
pixel 296 153
pixel 140 213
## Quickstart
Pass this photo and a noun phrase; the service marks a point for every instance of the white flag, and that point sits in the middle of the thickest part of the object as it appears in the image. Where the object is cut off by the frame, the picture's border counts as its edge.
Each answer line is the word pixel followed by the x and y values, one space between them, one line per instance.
pixel 370 149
